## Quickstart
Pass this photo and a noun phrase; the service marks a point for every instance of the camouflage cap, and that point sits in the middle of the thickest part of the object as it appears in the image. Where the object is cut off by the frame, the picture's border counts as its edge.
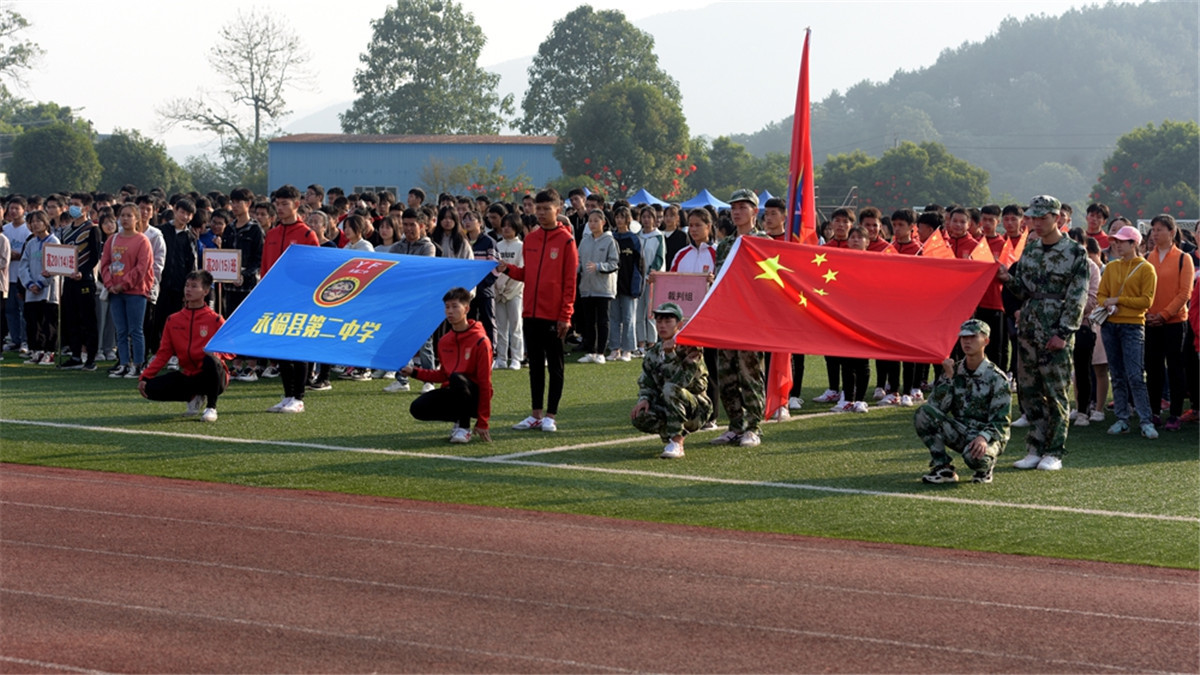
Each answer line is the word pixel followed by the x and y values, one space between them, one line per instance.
pixel 974 327
pixel 744 195
pixel 1042 205
pixel 669 309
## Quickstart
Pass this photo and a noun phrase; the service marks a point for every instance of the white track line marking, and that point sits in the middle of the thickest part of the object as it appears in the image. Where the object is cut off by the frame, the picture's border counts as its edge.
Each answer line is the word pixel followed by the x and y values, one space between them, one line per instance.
pixel 47 665
pixel 272 495
pixel 649 569
pixel 270 625
pixel 491 597
pixel 627 472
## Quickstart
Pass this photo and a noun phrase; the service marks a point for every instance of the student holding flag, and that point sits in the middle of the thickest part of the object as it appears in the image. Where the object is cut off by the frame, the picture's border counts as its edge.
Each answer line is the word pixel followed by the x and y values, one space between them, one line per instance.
pixel 288 230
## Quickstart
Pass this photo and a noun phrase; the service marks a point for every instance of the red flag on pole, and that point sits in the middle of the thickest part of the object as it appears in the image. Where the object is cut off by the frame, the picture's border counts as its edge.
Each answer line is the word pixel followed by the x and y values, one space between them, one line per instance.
pixel 937 247
pixel 782 297
pixel 802 217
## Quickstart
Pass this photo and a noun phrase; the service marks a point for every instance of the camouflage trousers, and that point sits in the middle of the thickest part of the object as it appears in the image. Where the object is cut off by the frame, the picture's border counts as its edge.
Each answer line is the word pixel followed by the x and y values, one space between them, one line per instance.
pixel 939 432
pixel 675 412
pixel 1043 380
pixel 742 387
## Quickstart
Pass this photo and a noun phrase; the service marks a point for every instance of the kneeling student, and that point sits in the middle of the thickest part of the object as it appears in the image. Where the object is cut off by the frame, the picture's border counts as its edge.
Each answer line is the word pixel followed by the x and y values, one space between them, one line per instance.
pixel 968 411
pixel 201 377
pixel 465 371
pixel 672 389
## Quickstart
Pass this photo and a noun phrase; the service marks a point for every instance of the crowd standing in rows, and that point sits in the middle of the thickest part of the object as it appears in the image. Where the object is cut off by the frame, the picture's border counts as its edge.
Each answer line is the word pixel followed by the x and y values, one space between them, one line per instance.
pixel 1082 308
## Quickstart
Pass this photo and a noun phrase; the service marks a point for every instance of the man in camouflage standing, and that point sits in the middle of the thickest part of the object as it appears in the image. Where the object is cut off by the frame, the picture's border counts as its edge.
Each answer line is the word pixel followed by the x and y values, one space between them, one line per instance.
pixel 1051 282
pixel 672 398
pixel 968 411
pixel 740 373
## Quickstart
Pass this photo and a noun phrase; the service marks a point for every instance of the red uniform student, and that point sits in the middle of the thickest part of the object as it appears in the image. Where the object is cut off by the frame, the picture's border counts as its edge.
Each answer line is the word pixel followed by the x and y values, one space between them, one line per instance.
pixel 201 377
pixel 551 261
pixel 465 372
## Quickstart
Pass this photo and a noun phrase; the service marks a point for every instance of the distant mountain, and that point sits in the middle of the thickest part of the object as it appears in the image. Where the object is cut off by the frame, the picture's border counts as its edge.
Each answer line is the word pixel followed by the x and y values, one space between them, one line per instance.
pixel 1039 104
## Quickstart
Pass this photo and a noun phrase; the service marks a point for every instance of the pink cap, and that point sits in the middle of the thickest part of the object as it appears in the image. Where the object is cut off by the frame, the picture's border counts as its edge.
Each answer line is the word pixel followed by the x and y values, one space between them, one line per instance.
pixel 1128 233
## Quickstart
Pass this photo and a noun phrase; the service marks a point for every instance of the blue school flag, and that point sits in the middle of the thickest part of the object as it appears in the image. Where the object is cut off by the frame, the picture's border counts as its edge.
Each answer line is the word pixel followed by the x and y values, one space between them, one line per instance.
pixel 353 308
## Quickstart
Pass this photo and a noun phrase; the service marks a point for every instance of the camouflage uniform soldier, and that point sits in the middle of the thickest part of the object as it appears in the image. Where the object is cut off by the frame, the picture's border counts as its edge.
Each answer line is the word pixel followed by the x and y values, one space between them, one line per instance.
pixel 968 411
pixel 1051 282
pixel 740 373
pixel 672 398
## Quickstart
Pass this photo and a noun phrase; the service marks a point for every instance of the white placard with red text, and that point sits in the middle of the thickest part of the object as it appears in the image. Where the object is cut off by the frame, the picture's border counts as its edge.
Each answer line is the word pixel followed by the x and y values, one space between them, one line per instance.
pixel 224 264
pixel 59 259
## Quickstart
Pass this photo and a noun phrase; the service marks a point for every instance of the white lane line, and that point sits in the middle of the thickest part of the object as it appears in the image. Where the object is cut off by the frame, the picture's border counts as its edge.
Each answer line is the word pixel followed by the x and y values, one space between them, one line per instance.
pixel 270 625
pixel 47 665
pixel 491 597
pixel 649 569
pixel 798 546
pixel 630 472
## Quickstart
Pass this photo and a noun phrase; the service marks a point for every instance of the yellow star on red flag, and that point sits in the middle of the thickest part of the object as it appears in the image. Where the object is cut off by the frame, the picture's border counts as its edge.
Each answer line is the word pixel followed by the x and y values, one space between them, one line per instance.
pixel 819 259
pixel 770 268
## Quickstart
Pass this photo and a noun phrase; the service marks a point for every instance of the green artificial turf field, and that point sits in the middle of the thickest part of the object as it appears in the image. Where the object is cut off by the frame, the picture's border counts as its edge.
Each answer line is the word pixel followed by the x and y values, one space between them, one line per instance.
pixel 1120 499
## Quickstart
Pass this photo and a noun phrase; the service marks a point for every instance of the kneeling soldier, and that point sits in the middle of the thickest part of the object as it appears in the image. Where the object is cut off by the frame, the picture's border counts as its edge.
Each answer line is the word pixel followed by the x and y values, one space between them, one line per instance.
pixel 967 411
pixel 672 389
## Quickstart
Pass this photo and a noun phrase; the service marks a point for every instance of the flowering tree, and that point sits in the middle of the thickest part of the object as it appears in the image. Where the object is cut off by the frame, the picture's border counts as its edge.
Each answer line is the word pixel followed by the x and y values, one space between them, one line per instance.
pixel 1153 170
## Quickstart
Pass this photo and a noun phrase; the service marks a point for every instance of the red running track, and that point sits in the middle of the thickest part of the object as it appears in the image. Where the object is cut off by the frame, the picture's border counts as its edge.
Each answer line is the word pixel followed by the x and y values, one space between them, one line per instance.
pixel 105 572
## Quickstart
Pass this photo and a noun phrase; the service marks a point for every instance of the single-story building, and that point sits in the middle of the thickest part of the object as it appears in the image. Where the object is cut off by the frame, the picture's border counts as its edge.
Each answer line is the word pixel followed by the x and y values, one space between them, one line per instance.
pixel 358 162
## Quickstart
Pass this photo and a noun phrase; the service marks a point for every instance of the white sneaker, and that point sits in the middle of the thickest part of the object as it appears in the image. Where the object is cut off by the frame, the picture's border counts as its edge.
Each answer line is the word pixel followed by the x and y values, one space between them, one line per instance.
pixel 397 386
pixel 859 407
pixel 279 406
pixel 209 415
pixel 795 403
pixel 1096 416
pixel 194 406
pixel 1081 421
pixel 749 439
pixel 1050 463
pixel 587 358
pixel 1030 461
pixel 906 401
pixel 515 364
pixel 842 407
pixel 293 406
pixel 599 358
pixel 173 363
pixel 427 387
pixel 879 393
pixel 828 397
pixel 917 395
pixel 460 435
pixel 726 438
pixel 530 422
pixel 625 356
pixel 614 355
pixel 548 424
pixel 890 399
pixel 672 450
pixel 1022 421
pixel 247 375
pixel 270 371
pixel 499 364
pixel 47 359
pixel 782 414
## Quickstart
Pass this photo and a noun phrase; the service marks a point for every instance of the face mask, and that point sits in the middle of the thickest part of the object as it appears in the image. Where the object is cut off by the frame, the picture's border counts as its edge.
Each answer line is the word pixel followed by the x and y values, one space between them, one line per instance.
pixel 75 211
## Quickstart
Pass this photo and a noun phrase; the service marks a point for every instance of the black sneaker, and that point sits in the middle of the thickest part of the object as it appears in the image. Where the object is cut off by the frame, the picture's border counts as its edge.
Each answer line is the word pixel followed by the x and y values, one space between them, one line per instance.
pixel 982 477
pixel 117 371
pixel 72 364
pixel 133 373
pixel 320 385
pixel 940 474
pixel 88 367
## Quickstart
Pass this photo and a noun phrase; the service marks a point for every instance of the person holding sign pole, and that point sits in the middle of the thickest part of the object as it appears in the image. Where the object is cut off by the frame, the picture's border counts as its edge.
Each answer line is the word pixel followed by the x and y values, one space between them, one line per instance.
pixel 41 291
pixel 79 289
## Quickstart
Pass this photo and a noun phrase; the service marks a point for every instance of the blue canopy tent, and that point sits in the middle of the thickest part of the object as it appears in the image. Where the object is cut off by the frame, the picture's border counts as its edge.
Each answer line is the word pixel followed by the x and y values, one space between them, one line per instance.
pixel 762 200
pixel 703 199
pixel 644 197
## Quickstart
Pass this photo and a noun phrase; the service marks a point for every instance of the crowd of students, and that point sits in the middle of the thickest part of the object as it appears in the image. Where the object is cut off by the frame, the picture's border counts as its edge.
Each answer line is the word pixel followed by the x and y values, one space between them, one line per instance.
pixel 135 252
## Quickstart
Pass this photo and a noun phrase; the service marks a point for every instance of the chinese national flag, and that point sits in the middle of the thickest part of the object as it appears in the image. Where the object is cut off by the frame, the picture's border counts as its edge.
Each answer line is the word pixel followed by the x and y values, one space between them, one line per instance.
pixel 1011 254
pixel 937 247
pixel 784 297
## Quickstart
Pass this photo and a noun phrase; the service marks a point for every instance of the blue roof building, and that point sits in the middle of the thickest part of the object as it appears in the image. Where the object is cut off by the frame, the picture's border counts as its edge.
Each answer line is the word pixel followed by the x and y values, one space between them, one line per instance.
pixel 358 162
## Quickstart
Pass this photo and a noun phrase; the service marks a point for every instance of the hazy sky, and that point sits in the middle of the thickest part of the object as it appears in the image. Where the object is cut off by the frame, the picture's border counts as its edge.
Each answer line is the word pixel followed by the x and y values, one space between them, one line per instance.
pixel 119 60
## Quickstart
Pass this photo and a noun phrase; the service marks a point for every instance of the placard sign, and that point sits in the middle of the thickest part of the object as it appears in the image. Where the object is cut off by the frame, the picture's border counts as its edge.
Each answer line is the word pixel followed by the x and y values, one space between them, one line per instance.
pixel 685 290
pixel 59 259
pixel 224 264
